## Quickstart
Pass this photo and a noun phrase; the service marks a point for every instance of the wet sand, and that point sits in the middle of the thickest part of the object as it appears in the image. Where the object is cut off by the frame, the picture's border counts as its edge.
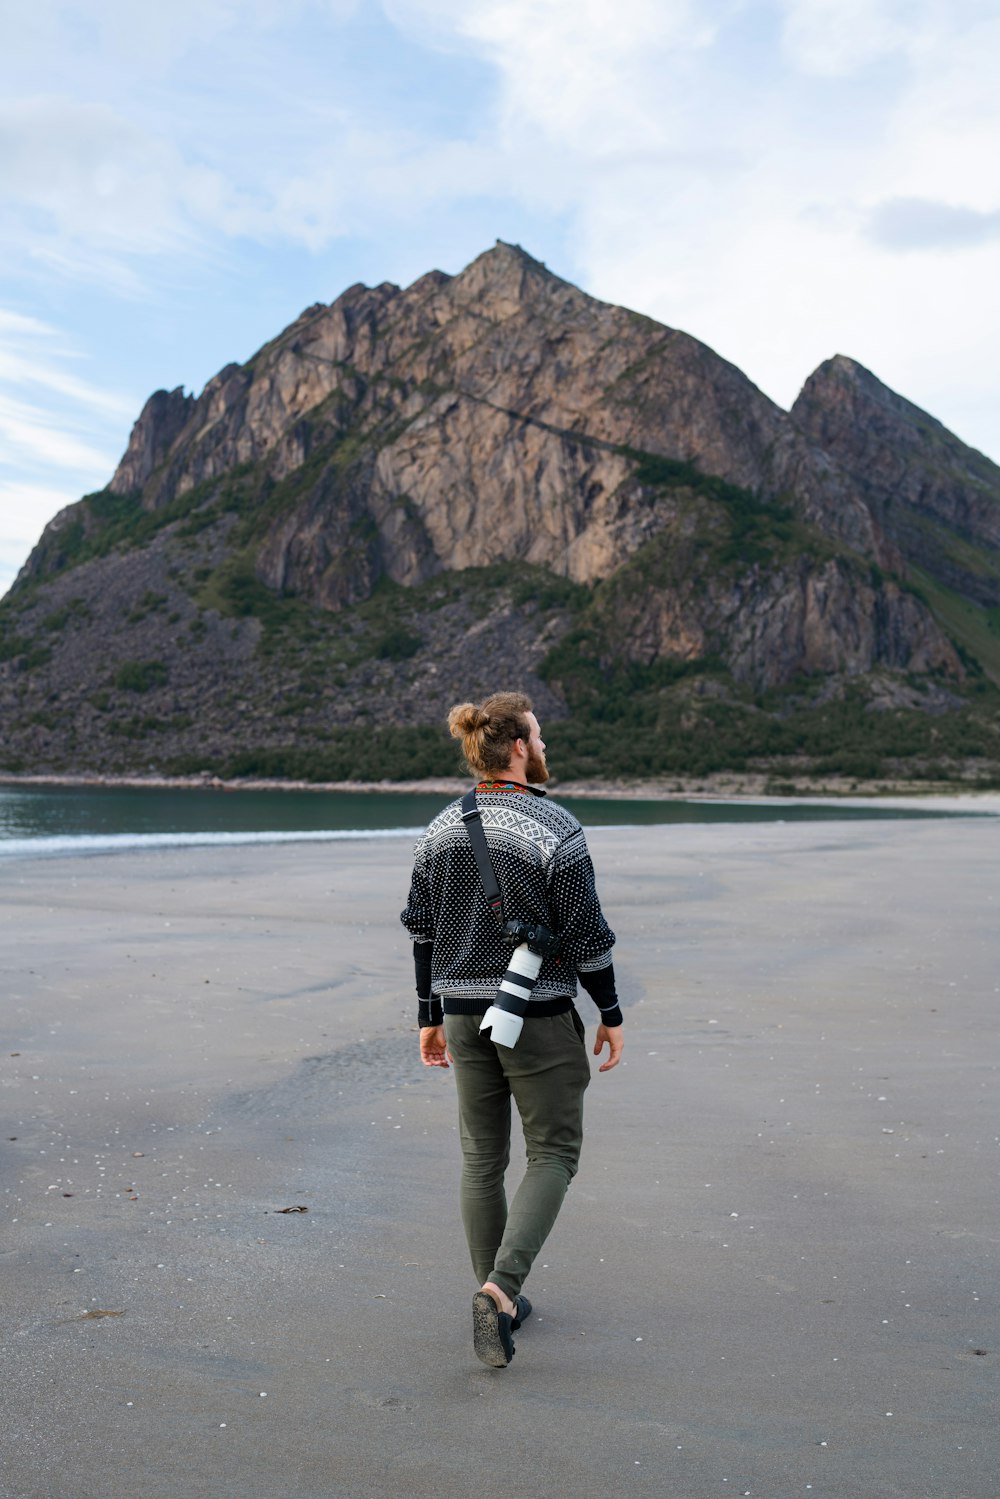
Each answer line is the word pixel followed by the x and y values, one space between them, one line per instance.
pixel 774 1275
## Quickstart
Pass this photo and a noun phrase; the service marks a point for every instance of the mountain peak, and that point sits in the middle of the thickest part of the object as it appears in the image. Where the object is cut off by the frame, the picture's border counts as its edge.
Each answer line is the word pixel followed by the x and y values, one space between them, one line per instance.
pixel 842 372
pixel 842 387
pixel 504 278
pixel 504 254
pixel 932 494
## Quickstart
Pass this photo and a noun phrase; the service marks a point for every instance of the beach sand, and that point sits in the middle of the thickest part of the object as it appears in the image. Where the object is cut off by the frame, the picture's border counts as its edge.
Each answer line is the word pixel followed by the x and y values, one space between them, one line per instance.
pixel 775 1273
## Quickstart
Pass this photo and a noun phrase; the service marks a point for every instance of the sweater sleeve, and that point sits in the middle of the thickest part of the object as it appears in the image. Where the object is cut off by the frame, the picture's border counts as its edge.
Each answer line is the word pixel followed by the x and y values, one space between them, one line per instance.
pixel 428 1004
pixel 600 985
pixel 418 919
pixel 587 939
pixel 418 914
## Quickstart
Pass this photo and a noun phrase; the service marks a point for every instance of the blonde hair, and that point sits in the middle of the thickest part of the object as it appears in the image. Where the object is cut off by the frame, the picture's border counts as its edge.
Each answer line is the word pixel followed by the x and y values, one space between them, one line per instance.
pixel 488 733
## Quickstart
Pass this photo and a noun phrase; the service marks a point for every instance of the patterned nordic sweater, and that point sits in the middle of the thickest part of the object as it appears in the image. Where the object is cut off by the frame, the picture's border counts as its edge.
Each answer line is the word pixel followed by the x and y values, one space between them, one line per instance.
pixel 543 868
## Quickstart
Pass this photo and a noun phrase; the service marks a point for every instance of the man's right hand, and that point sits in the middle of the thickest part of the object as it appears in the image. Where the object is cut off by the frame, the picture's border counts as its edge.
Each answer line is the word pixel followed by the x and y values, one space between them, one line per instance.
pixel 433 1048
pixel 614 1036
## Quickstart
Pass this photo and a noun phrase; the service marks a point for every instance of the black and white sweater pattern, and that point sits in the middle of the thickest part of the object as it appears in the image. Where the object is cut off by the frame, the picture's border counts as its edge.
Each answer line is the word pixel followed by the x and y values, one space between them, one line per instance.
pixel 543 867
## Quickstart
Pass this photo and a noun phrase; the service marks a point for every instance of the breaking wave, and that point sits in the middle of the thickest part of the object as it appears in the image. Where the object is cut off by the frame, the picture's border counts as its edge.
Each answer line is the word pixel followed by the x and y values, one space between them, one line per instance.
pixel 112 843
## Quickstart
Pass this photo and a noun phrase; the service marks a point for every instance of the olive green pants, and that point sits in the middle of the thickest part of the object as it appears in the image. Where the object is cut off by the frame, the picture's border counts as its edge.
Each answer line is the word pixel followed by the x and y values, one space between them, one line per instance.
pixel 546 1073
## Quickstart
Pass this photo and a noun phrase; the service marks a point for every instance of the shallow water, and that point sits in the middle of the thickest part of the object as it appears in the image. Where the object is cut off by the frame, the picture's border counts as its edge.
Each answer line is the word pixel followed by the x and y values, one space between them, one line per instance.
pixel 72 819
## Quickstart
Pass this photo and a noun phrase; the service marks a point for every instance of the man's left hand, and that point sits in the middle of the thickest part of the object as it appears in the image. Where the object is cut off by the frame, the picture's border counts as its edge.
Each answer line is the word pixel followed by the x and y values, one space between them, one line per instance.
pixel 612 1037
pixel 433 1048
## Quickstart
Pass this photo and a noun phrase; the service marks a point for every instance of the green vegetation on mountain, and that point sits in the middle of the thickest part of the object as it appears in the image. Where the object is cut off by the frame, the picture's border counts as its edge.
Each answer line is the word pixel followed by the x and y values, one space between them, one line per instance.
pixel 973 628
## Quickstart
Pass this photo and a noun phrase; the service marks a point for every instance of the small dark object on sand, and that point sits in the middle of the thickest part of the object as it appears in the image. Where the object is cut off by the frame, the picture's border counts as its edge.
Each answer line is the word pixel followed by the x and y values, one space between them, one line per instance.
pixel 298 1209
pixel 93 1314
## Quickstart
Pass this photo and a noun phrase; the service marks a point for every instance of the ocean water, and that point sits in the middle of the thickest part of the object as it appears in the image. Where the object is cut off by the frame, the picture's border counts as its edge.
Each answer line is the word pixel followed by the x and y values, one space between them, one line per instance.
pixel 37 820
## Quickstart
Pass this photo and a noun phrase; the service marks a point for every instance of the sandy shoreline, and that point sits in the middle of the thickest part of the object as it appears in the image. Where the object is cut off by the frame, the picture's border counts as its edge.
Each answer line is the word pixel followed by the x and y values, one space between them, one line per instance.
pixel 783 1229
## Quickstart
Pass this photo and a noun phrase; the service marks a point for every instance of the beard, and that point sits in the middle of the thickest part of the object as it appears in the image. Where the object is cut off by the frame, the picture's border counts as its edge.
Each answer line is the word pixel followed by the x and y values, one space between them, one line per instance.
pixel 536 769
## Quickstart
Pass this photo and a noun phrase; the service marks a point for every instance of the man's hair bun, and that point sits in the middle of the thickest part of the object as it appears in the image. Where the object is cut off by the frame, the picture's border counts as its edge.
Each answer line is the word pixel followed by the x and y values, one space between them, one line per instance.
pixel 464 719
pixel 488 733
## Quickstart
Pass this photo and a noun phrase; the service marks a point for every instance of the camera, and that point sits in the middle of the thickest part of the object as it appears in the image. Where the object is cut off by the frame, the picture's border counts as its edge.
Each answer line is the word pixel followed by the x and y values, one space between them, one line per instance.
pixel 531 943
pixel 533 935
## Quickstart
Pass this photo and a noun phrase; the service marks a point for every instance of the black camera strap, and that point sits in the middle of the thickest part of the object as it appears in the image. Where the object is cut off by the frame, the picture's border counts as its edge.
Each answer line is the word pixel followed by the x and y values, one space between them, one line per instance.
pixel 474 826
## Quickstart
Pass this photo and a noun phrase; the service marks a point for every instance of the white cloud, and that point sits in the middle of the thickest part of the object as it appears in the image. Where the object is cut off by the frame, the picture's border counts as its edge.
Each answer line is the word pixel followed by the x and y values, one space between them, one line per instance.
pixel 99 186
pixel 25 511
pixel 944 135
pixel 49 379
pixel 920 224
pixel 51 259
pixel 368 183
pixel 588 76
pixel 86 173
pixel 58 432
pixel 564 67
pixel 33 504
pixel 151 38
pixel 47 410
pixel 44 438
pixel 23 325
pixel 836 37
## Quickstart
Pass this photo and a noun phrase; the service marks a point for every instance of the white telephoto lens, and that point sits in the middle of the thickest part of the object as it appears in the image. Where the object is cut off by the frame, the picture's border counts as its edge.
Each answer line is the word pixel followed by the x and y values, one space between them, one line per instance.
pixel 525 962
pixel 504 1027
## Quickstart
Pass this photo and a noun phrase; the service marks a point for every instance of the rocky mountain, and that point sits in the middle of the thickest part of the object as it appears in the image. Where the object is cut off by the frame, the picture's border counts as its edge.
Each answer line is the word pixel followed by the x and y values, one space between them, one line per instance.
pixel 937 500
pixel 413 494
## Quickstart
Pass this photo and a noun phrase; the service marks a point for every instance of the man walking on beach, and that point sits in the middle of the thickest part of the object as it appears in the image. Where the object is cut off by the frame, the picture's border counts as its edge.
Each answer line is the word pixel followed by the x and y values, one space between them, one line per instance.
pixel 487 956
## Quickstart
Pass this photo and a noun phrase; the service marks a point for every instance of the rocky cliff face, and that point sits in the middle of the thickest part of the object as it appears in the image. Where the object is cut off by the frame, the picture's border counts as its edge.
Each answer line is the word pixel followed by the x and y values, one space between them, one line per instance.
pixel 494 409
pixel 774 627
pixel 160 424
pixel 934 496
pixel 606 494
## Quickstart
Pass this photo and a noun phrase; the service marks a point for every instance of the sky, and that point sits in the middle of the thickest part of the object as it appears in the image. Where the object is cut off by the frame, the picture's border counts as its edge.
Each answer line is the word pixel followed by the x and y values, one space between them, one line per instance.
pixel 784 179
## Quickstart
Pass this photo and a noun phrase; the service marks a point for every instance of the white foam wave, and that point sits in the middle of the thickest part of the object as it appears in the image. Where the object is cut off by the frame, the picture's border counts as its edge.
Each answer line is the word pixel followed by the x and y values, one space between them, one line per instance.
pixel 111 843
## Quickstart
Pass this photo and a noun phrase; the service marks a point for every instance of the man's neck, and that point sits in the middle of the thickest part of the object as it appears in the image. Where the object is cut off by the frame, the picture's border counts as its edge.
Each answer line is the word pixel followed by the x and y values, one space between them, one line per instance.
pixel 516 771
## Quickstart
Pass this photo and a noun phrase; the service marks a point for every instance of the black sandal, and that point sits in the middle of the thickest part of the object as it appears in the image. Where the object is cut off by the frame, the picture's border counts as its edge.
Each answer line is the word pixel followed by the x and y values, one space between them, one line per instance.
pixel 522 1307
pixel 491 1329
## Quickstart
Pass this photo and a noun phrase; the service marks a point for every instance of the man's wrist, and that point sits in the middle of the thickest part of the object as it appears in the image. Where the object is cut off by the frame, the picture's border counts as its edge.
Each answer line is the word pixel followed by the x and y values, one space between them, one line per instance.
pixel 429 1013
